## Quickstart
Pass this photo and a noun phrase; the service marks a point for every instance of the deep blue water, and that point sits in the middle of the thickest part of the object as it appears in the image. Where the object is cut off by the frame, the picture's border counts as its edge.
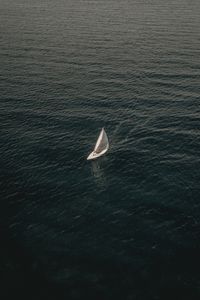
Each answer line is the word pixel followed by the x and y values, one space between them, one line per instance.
pixel 126 226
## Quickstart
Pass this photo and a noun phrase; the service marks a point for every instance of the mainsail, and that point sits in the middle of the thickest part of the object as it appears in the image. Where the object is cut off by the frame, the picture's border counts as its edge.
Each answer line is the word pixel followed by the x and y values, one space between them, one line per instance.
pixel 102 142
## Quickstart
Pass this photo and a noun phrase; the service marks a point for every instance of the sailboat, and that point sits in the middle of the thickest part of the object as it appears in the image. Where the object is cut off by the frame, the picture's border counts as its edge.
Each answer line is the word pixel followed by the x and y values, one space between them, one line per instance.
pixel 101 146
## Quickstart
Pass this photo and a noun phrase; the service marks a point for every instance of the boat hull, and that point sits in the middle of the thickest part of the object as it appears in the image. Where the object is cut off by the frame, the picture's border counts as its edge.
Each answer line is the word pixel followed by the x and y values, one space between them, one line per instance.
pixel 94 155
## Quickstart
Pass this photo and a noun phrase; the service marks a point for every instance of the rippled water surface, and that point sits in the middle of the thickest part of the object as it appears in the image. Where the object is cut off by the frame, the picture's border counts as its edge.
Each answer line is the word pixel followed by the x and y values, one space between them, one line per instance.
pixel 126 226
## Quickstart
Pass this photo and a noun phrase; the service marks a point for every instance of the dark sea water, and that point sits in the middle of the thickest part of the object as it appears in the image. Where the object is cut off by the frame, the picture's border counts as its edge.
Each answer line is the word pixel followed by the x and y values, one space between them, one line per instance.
pixel 126 226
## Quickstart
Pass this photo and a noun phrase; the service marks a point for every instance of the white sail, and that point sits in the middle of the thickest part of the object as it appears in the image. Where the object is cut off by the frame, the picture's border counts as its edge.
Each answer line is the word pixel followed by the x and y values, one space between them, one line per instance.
pixel 101 146
pixel 102 142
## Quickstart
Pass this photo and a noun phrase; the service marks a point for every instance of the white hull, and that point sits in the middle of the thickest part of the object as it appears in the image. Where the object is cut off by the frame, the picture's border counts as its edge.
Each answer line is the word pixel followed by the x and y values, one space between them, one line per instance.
pixel 94 155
